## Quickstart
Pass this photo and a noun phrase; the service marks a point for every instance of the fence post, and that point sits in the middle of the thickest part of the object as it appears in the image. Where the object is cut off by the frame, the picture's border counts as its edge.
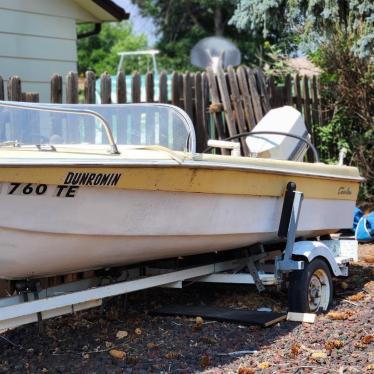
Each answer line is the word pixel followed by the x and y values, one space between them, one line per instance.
pixel 201 133
pixel 121 116
pixel 306 97
pixel 238 108
pixel 72 98
pixel 288 90
pixel 307 117
pixel 72 88
pixel 89 98
pixel 272 92
pixel 149 87
pixel 2 97
pixel 56 98
pixel 136 87
pixel 257 108
pixel 261 83
pixel 187 94
pixel 216 107
pixel 229 115
pixel 15 94
pixel 297 89
pixel 163 87
pixel 163 98
pixel 2 125
pixel 56 89
pixel 89 87
pixel 180 91
pixel 149 98
pixel 205 105
pixel 175 89
pixel 14 89
pixel 31 97
pixel 121 88
pixel 315 103
pixel 136 98
pixel 247 102
pixel 105 88
pixel 320 109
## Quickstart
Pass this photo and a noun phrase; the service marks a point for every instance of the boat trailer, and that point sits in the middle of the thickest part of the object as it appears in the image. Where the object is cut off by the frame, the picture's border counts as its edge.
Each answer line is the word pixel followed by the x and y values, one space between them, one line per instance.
pixel 307 266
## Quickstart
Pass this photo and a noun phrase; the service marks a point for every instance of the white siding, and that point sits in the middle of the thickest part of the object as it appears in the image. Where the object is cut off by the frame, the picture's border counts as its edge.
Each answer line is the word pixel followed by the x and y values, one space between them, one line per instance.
pixel 15 22
pixel 34 70
pixel 38 39
pixel 38 48
pixel 57 8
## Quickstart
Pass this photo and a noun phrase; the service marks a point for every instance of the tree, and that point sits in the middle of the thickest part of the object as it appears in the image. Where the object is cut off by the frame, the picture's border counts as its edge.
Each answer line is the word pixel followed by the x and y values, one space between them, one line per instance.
pixel 339 36
pixel 99 52
pixel 183 23
pixel 314 21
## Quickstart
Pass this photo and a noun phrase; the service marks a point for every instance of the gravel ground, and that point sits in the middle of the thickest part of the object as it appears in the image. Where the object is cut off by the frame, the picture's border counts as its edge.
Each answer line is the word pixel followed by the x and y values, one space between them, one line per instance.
pixel 114 340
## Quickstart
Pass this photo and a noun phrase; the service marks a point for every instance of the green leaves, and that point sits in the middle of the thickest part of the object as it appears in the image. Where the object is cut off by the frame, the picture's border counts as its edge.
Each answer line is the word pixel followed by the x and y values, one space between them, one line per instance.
pixel 315 21
pixel 99 53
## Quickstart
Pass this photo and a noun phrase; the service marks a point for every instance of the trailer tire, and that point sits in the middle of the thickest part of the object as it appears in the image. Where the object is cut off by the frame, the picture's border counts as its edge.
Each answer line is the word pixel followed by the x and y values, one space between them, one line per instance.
pixel 310 290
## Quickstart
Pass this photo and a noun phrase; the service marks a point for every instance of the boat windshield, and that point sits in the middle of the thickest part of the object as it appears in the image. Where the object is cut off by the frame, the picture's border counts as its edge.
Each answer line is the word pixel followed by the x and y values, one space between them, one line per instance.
pixel 114 124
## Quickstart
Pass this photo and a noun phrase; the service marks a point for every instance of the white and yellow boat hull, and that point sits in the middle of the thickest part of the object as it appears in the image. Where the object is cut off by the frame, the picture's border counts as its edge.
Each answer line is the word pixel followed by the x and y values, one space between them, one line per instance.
pixel 60 214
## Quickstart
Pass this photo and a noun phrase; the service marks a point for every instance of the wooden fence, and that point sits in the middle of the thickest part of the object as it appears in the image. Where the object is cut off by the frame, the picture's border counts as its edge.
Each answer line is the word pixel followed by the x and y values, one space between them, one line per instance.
pixel 220 104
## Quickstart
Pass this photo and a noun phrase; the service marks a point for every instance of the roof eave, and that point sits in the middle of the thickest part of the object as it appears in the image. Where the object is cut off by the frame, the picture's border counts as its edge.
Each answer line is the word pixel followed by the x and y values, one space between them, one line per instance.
pixel 112 8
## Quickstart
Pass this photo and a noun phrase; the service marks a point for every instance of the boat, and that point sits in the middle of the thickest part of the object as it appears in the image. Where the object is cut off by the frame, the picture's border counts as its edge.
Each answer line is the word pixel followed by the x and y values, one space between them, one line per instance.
pixel 86 187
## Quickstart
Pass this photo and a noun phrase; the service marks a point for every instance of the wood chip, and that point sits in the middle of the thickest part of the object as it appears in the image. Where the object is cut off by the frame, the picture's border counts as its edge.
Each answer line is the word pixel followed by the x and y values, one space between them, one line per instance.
pixel 198 323
pixel 263 365
pixel 116 353
pixel 367 339
pixel 318 355
pixel 340 315
pixel 245 370
pixel 333 344
pixel 295 349
pixel 121 334
pixel 205 361
pixel 357 297
pixel 172 355
pixel 152 345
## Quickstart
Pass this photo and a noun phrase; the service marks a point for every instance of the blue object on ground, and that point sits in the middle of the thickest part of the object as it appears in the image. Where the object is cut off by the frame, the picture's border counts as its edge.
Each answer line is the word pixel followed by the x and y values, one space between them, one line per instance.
pixel 357 215
pixel 363 226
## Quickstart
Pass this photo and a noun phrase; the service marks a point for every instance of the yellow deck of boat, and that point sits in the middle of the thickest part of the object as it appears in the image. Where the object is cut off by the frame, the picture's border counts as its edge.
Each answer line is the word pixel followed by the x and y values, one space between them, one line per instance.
pixel 158 168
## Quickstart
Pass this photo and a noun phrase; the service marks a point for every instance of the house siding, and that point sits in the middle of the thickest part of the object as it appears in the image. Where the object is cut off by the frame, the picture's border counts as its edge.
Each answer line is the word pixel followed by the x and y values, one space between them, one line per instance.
pixel 38 39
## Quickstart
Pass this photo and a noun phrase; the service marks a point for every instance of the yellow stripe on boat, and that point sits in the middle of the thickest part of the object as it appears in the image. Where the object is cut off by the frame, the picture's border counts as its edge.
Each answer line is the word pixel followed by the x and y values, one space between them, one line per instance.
pixel 184 179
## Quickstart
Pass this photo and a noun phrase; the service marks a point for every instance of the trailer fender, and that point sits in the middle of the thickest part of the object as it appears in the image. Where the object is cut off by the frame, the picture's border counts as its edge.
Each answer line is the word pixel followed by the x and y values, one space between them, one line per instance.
pixel 313 249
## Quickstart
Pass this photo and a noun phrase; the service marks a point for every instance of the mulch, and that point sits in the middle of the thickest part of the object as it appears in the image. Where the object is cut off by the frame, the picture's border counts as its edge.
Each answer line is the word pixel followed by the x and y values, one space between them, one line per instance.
pixel 121 336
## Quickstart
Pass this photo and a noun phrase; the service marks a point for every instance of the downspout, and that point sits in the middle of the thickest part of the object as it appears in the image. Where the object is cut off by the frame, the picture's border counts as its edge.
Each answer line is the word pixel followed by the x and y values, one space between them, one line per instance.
pixel 95 31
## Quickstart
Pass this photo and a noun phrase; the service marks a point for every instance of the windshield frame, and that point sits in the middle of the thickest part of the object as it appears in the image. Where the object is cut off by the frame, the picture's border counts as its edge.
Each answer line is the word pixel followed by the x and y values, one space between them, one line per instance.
pixel 69 108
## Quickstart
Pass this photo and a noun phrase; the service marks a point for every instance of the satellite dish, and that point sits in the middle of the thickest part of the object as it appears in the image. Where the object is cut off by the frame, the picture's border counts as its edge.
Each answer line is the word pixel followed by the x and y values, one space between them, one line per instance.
pixel 216 52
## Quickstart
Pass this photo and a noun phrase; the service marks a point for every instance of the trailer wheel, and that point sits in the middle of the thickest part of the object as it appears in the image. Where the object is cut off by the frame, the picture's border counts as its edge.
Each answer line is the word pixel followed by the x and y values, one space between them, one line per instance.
pixel 310 290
